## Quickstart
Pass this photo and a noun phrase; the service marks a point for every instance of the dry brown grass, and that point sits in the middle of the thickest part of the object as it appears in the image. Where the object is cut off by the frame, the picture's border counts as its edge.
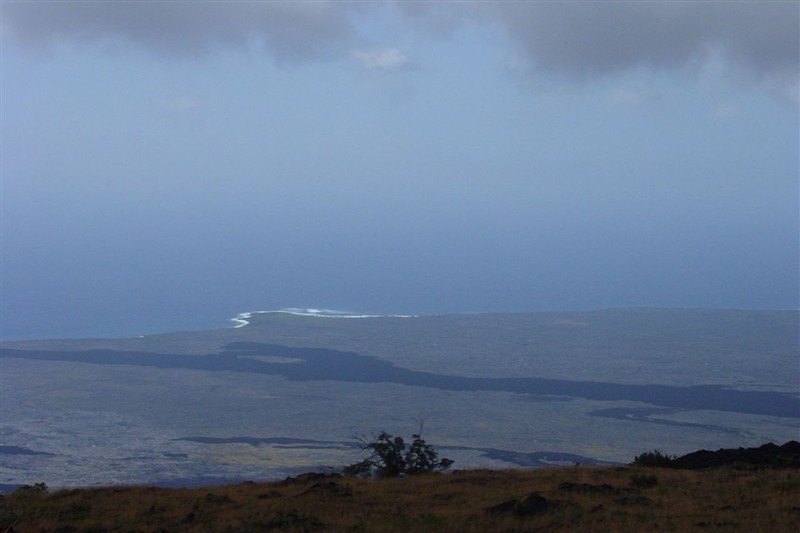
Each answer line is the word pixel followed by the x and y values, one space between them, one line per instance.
pixel 579 499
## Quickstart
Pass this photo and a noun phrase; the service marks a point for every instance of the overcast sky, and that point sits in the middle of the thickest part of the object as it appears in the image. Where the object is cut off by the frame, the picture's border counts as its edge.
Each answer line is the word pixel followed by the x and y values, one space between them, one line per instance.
pixel 166 165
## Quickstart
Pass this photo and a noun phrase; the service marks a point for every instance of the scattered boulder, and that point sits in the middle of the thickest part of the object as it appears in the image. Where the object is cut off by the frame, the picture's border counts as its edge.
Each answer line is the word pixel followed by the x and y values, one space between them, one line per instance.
pixel 726 525
pixel 633 500
pixel 293 521
pixel 533 504
pixel 307 478
pixel 327 488
pixel 586 488
pixel 506 507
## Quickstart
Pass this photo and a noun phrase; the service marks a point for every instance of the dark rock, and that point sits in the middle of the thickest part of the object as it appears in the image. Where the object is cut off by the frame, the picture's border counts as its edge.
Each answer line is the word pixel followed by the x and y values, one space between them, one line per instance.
pixel 633 500
pixel 307 478
pixel 506 507
pixel 586 488
pixel 327 487
pixel 533 504
pixel 294 520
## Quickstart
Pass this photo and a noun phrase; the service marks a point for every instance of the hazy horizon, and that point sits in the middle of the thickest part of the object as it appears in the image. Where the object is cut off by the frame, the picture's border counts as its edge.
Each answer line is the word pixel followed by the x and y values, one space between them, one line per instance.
pixel 167 166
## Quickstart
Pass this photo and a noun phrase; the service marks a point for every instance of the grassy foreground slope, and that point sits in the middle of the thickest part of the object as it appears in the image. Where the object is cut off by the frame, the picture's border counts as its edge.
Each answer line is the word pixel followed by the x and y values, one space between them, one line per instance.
pixel 551 499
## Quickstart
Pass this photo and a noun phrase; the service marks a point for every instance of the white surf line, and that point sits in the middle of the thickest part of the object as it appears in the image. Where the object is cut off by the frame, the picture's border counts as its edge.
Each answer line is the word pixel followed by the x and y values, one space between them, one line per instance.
pixel 243 319
pixel 332 313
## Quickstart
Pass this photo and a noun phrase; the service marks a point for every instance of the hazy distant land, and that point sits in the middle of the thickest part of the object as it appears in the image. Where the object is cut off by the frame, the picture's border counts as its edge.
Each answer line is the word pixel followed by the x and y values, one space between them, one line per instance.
pixel 287 393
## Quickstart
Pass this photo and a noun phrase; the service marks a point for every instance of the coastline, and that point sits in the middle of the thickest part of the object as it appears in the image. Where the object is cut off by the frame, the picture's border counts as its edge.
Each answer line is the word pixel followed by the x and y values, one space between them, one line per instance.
pixel 603 384
pixel 242 319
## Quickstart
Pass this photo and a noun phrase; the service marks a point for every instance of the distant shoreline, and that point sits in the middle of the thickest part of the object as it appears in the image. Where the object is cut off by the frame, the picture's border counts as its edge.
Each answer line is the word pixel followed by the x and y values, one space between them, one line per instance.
pixel 242 319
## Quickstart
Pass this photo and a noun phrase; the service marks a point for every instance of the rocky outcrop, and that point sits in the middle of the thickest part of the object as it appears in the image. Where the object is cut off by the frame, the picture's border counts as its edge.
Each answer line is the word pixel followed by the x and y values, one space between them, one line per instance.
pixel 768 455
pixel 533 504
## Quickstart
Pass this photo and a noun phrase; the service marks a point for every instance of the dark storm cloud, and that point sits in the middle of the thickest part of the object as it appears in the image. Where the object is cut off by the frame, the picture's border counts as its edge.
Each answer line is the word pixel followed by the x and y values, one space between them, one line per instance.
pixel 587 38
pixel 578 38
pixel 291 30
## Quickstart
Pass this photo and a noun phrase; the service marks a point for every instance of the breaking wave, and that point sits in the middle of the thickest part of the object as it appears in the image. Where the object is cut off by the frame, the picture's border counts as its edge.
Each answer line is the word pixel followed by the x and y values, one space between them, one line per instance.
pixel 243 319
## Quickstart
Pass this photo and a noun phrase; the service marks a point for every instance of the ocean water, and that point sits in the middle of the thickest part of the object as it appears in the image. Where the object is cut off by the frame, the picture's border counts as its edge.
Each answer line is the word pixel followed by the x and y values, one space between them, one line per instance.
pixel 276 393
pixel 71 327
pixel 63 322
pixel 117 292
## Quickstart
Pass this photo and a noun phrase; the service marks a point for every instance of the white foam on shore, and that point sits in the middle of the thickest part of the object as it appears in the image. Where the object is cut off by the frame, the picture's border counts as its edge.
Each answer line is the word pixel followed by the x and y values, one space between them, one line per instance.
pixel 243 319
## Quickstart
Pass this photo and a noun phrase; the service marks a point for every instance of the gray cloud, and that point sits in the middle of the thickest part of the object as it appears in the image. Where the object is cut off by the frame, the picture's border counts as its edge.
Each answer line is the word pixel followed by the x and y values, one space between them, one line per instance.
pixel 589 38
pixel 573 38
pixel 290 30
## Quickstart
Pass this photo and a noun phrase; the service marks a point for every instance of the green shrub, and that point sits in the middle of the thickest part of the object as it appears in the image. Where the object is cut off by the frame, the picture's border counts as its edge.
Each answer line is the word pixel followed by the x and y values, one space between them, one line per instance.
pixel 654 458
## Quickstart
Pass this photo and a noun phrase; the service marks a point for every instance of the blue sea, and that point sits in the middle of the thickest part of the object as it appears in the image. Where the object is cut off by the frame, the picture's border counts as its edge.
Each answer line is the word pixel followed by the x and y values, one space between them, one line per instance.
pixel 69 326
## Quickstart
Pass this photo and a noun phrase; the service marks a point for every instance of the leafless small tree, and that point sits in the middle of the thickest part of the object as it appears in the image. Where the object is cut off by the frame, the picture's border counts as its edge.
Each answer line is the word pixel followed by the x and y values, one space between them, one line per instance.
pixel 390 456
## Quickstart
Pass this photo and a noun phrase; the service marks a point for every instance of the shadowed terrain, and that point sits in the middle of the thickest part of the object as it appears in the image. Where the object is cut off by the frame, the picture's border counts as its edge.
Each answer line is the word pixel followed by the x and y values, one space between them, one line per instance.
pixel 552 499
pixel 315 364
